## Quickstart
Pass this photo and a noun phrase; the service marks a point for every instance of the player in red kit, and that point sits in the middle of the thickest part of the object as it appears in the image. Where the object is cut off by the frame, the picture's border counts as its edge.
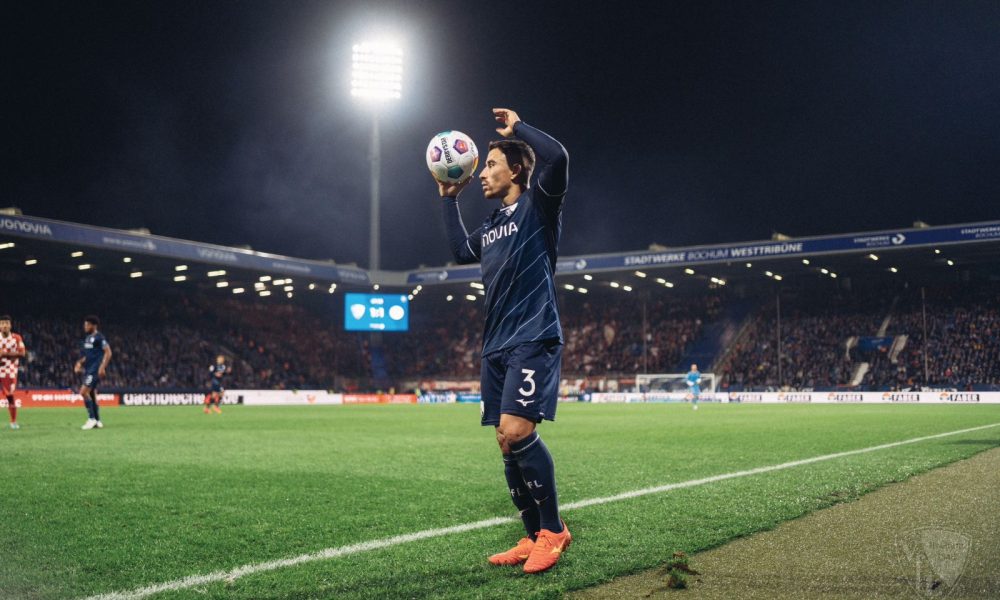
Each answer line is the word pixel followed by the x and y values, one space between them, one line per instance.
pixel 11 352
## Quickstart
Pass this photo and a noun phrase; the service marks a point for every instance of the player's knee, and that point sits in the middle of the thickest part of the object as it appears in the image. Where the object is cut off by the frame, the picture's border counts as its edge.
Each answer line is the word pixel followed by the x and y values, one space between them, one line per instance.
pixel 512 433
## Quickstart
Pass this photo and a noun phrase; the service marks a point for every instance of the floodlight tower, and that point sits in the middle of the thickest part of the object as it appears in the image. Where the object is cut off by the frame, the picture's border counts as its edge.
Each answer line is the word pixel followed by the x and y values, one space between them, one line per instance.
pixel 376 79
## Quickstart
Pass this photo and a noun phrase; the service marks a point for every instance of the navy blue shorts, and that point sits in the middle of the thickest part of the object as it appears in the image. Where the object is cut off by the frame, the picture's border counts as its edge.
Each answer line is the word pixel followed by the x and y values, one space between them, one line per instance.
pixel 91 380
pixel 522 381
pixel 217 386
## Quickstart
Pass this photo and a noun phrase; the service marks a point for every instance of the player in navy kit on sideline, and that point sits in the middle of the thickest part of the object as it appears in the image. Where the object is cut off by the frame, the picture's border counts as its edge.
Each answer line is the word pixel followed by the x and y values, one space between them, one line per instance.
pixel 218 371
pixel 517 247
pixel 93 364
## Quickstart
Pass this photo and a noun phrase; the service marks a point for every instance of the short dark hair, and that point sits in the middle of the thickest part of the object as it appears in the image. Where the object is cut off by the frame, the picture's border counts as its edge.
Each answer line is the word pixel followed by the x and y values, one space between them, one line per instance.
pixel 517 153
pixel 5 318
pixel 92 319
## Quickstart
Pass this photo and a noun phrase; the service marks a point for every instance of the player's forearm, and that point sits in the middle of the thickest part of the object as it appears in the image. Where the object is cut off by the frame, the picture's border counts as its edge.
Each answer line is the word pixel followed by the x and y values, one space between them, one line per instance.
pixel 551 157
pixel 458 236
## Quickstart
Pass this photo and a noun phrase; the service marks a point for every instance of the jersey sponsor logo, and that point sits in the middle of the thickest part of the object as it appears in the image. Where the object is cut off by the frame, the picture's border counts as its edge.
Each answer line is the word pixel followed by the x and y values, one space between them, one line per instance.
pixel 498 233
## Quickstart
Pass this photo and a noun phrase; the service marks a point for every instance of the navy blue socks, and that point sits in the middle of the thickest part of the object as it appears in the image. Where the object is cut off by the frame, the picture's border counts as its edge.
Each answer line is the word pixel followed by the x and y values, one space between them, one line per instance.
pixel 539 476
pixel 521 496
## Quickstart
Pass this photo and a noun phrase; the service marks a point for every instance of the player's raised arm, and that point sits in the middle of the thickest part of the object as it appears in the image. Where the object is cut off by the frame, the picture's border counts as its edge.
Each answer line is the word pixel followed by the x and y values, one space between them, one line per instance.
pixel 551 158
pixel 465 248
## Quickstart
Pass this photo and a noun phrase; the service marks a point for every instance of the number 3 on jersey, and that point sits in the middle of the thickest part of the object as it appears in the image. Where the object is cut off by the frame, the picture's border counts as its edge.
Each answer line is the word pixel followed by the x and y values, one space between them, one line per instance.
pixel 528 373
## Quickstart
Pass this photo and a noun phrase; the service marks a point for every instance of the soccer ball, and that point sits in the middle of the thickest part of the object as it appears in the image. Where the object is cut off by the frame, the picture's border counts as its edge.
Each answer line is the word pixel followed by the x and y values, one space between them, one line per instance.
pixel 452 157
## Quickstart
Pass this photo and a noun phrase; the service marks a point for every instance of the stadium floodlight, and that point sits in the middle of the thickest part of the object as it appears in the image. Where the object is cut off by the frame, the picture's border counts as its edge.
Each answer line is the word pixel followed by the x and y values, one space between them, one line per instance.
pixel 805 261
pixel 376 78
pixel 627 288
pixel 582 290
pixel 179 278
pixel 470 297
pixel 135 274
pixel 749 265
pixel 265 293
pixel 640 274
pixel 893 270
pixel 265 278
pixel 312 286
pixel 778 278
pixel 768 274
pixel 375 287
pixel 668 284
pixel 219 273
pixel 951 263
pixel 238 290
pixel 84 267
pixel 477 285
pixel 873 256
pixel 6 245
pixel 569 287
pixel 30 262
pixel 450 298
pixel 290 295
pixel 937 251
pixel 833 275
pixel 76 254
pixel 588 277
pixel 181 268
pixel 410 297
pixel 222 284
pixel 289 288
pixel 689 271
pixel 615 284
pixel 377 71
pixel 127 259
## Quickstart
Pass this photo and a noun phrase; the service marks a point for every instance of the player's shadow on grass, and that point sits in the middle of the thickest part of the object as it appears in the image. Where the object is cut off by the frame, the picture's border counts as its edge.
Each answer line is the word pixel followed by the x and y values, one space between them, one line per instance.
pixel 976 442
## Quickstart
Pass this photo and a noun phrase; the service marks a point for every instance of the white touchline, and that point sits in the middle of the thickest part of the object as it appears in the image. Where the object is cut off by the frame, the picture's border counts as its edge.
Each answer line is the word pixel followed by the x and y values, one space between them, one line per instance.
pixel 220 576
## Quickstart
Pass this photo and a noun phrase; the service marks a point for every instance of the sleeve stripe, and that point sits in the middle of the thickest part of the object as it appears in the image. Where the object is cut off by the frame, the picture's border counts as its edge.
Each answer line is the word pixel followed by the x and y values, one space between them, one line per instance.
pixel 539 184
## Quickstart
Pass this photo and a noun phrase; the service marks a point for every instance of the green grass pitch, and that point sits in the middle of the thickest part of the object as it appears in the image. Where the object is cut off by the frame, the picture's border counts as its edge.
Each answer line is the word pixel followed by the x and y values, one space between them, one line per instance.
pixel 165 493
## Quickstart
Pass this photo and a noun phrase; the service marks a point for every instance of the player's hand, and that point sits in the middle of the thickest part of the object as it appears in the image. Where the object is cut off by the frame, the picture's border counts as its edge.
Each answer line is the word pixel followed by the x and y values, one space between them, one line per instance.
pixel 452 190
pixel 101 371
pixel 77 368
pixel 507 118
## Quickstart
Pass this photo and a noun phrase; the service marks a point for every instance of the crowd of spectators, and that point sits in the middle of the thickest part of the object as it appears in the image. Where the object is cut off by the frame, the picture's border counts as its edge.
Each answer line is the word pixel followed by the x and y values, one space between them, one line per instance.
pixel 167 339
pixel 963 341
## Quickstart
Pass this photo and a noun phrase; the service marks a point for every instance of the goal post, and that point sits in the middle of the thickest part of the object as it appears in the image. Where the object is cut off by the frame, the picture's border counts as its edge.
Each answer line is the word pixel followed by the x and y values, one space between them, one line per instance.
pixel 673 387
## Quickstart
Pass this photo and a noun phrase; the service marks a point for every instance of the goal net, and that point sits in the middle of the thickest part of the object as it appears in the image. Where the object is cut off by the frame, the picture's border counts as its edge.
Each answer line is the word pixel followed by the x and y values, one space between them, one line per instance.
pixel 673 387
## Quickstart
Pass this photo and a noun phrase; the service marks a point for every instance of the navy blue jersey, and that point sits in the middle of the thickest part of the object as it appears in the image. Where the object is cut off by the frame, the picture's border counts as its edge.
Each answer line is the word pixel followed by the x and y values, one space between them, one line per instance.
pixel 217 370
pixel 517 247
pixel 93 352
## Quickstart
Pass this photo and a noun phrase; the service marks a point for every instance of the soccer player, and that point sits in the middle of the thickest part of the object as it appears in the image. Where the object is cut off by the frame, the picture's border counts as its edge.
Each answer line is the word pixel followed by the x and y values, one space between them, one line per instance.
pixel 94 365
pixel 12 350
pixel 218 371
pixel 522 341
pixel 693 381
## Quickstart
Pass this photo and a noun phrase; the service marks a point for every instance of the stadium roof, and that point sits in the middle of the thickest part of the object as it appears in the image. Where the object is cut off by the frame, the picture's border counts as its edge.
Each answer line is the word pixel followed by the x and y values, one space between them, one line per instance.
pixel 930 251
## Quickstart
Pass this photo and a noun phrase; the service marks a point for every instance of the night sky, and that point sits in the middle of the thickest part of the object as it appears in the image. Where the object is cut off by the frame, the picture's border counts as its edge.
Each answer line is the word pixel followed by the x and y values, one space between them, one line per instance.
pixel 686 123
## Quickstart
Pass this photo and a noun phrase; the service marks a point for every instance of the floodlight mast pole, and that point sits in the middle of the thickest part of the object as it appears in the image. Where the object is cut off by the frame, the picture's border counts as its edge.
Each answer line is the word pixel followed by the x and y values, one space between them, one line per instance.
pixel 374 241
pixel 376 77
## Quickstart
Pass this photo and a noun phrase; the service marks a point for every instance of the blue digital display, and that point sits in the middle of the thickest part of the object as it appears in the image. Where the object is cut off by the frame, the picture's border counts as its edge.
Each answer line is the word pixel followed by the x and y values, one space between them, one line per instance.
pixel 376 312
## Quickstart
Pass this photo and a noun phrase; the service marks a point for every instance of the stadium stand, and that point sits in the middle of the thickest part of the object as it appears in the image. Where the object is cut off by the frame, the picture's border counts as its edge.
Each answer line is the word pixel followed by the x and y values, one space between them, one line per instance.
pixel 867 338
